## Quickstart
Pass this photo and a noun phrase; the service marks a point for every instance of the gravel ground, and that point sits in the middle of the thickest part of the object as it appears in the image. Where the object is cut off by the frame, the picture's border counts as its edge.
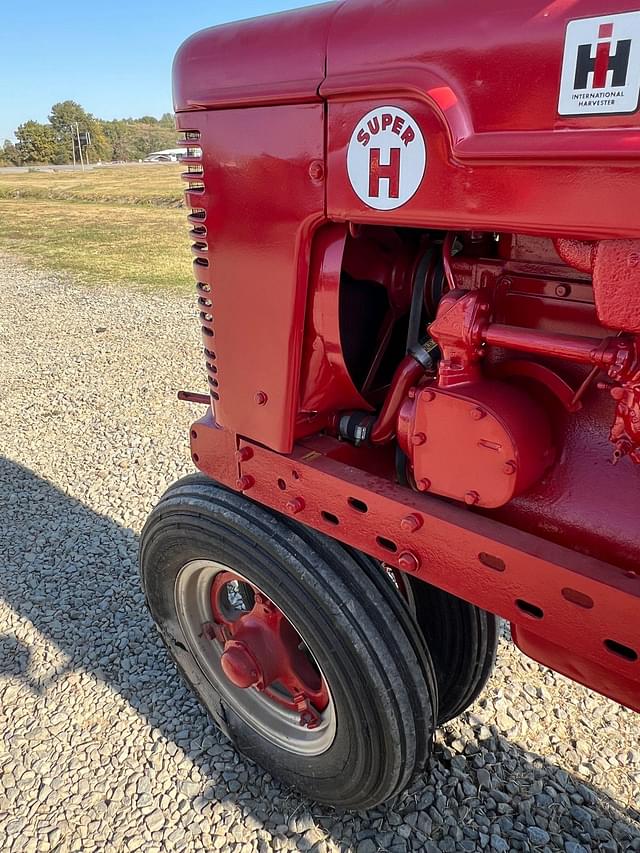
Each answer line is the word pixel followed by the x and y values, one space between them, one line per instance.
pixel 104 749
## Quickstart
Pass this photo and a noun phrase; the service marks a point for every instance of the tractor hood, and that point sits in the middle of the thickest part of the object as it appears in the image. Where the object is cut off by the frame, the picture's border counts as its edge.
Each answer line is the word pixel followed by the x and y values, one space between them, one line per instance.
pixel 269 60
pixel 489 69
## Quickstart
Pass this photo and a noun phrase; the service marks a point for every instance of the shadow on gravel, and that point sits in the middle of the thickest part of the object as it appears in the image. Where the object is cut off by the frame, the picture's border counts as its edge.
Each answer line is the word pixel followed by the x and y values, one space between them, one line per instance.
pixel 73 574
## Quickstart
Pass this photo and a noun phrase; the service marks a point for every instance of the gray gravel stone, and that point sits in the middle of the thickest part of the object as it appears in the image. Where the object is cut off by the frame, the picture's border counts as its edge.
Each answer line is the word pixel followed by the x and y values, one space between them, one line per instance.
pixel 537 836
pixel 104 749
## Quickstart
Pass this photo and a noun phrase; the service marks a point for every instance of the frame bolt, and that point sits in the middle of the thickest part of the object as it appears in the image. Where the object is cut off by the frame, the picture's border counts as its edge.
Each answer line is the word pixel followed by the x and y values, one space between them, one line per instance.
pixel 509 467
pixel 260 398
pixel 423 485
pixel 472 498
pixel 418 438
pixel 477 413
pixel 563 290
pixel 245 482
pixel 411 523
pixel 295 505
pixel 408 562
pixel 244 454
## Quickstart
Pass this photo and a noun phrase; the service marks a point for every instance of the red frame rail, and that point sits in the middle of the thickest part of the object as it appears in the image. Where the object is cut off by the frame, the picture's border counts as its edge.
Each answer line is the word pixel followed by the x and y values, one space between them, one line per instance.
pixel 572 612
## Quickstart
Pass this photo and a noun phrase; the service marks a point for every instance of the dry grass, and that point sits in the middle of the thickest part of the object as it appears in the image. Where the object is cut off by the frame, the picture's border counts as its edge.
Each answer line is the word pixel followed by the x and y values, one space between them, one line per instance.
pixel 113 225
pixel 149 184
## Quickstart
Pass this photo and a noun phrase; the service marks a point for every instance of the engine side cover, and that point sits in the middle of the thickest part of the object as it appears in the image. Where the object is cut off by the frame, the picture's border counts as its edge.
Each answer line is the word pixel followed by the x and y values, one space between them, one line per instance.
pixel 482 443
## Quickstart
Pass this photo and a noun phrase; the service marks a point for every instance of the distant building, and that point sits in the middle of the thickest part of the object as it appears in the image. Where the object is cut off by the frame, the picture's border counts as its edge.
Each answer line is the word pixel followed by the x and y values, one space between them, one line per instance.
pixel 169 155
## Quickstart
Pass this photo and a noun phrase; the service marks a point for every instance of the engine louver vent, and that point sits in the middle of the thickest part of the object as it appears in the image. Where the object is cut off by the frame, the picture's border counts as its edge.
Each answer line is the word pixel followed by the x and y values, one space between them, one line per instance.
pixel 194 199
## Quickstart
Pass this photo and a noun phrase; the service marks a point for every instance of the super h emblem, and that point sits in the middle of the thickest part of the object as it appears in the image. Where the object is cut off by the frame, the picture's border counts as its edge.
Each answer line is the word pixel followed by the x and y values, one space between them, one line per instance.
pixel 601 66
pixel 386 158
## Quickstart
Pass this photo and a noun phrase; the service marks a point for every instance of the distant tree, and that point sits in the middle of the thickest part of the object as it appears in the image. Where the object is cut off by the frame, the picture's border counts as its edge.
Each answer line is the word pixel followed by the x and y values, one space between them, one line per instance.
pixel 10 154
pixel 63 118
pixel 119 139
pixel 36 142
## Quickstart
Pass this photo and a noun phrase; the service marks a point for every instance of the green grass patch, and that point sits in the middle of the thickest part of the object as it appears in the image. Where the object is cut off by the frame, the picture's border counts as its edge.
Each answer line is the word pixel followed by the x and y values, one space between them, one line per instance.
pixel 153 185
pixel 100 243
pixel 120 224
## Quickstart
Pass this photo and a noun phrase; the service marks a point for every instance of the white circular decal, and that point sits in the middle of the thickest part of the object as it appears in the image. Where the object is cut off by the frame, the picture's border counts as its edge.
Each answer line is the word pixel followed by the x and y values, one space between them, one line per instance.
pixel 386 159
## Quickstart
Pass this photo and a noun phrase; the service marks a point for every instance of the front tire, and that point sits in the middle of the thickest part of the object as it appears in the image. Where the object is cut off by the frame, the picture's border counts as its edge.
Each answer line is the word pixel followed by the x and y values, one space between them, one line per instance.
pixel 375 719
pixel 462 640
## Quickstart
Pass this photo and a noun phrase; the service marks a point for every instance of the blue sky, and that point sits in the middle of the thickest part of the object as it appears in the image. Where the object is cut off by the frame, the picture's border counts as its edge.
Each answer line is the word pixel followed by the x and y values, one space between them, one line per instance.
pixel 113 58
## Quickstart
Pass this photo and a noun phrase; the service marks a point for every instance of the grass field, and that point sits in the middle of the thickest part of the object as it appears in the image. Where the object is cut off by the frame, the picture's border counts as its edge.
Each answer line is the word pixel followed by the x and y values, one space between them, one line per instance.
pixel 116 224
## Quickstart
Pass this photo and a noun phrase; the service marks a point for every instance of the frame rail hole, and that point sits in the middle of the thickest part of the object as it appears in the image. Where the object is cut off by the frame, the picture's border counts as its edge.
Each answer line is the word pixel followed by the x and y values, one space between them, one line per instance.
pixel 492 562
pixel 358 505
pixel 621 650
pixel 530 609
pixel 387 544
pixel 577 597
pixel 330 518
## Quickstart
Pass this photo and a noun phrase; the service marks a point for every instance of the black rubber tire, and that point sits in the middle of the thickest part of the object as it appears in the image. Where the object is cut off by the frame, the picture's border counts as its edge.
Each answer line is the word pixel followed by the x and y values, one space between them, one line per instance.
pixel 361 633
pixel 462 640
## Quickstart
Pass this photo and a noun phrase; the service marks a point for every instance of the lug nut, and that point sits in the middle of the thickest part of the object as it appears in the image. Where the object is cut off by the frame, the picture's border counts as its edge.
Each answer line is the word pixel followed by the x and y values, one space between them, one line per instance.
pixel 472 498
pixel 408 562
pixel 411 523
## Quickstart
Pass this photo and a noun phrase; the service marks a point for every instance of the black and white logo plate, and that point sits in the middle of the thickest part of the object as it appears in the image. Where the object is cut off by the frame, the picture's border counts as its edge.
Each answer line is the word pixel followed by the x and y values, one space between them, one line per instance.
pixel 601 66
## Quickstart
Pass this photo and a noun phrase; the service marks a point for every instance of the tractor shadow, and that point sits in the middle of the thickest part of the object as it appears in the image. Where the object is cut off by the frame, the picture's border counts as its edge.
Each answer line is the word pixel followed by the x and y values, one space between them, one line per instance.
pixel 72 574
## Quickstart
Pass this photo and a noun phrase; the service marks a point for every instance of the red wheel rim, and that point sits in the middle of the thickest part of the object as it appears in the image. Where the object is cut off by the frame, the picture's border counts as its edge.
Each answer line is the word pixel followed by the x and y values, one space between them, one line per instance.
pixel 263 650
pixel 253 654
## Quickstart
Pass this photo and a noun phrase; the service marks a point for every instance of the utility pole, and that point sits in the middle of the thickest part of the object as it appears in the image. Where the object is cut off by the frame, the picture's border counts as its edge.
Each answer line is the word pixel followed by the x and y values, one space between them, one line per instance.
pixel 73 146
pixel 79 146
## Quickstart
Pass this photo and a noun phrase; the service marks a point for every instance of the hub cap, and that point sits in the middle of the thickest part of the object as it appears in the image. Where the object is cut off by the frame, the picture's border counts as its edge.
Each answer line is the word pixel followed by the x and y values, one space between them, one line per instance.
pixel 254 656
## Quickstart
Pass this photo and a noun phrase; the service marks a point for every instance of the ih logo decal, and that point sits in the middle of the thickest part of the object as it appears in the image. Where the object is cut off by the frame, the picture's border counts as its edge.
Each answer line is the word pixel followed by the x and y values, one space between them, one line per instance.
pixel 601 66
pixel 386 158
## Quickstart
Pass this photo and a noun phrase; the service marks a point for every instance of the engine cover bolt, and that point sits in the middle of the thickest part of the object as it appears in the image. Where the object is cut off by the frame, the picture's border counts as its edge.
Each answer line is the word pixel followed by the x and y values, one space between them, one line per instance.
pixel 261 398
pixel 245 482
pixel 295 505
pixel 472 498
pixel 477 414
pixel 411 523
pixel 509 467
pixel 316 170
pixel 427 396
pixel 244 454
pixel 423 485
pixel 418 438
pixel 408 562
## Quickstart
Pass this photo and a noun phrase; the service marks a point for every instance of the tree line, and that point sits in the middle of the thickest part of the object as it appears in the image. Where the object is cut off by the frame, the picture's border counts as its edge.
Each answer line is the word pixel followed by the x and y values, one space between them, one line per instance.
pixel 54 141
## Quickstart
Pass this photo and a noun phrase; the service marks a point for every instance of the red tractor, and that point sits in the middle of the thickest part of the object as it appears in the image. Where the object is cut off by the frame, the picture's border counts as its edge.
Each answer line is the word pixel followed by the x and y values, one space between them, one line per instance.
pixel 416 231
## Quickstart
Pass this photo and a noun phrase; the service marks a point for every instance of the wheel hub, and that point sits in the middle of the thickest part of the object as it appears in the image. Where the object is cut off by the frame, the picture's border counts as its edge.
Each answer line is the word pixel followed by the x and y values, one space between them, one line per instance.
pixel 254 657
pixel 262 649
pixel 239 665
